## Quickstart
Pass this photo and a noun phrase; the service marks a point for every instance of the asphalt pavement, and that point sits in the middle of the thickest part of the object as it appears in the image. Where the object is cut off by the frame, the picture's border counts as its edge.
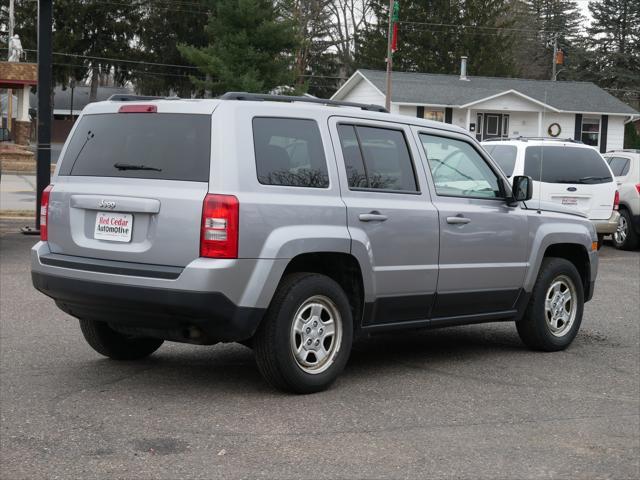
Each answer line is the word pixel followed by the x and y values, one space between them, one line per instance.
pixel 465 403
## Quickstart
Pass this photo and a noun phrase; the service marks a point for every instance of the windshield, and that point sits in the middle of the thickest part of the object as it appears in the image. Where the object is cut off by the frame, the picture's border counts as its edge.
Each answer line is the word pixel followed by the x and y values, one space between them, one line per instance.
pixel 504 155
pixel 164 146
pixel 561 164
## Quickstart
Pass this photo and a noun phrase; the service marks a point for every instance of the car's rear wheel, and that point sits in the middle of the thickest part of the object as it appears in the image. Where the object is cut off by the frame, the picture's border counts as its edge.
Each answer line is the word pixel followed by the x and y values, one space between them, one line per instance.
pixel 554 313
pixel 305 338
pixel 118 346
pixel 625 236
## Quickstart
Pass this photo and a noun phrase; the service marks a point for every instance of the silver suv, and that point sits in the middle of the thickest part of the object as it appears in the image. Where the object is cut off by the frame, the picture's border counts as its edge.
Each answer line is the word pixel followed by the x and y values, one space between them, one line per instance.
pixel 296 226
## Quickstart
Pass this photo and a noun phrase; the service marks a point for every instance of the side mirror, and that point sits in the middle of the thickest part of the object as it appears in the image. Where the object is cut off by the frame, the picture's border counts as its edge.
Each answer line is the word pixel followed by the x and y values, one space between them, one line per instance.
pixel 522 189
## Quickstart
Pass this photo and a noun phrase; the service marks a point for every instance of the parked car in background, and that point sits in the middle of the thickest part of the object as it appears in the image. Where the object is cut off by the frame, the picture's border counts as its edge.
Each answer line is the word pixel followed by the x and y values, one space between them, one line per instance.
pixel 294 228
pixel 565 172
pixel 625 165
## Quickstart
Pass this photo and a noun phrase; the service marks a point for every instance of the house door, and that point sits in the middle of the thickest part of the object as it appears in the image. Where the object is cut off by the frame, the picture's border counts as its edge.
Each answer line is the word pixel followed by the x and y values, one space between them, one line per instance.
pixel 495 125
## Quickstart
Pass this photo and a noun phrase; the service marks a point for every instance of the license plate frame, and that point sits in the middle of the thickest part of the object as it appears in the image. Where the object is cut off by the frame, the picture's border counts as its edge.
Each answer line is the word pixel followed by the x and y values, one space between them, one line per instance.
pixel 113 227
pixel 570 201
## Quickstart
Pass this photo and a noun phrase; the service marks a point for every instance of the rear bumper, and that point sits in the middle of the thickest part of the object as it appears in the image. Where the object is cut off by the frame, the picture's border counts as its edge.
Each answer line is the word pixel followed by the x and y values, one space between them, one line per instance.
pixel 605 227
pixel 207 301
pixel 198 317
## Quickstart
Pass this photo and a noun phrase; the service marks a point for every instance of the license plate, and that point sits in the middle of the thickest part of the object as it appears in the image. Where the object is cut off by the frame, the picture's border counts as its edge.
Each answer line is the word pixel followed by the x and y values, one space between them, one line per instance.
pixel 116 227
pixel 569 201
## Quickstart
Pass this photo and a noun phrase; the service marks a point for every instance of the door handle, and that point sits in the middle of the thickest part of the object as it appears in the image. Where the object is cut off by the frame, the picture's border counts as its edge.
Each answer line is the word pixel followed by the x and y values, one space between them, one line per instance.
pixel 372 217
pixel 458 220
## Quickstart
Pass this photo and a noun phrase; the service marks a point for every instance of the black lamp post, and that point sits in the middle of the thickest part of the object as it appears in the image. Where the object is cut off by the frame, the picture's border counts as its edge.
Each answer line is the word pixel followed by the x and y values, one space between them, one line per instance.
pixel 43 159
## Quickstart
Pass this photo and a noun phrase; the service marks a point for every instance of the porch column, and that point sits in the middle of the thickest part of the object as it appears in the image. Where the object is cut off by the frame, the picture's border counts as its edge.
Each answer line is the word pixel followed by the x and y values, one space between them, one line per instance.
pixel 468 125
pixel 22 115
pixel 540 124
pixel 22 126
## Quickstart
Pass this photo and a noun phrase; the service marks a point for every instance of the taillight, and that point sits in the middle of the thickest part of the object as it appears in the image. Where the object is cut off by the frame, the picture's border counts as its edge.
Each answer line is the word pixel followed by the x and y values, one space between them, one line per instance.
pixel 219 235
pixel 44 213
pixel 638 188
pixel 616 200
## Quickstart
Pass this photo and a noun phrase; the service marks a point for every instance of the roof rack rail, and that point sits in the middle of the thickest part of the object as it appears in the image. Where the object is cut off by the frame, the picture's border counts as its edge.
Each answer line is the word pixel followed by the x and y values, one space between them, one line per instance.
pixel 259 97
pixel 497 139
pixel 624 150
pixel 125 97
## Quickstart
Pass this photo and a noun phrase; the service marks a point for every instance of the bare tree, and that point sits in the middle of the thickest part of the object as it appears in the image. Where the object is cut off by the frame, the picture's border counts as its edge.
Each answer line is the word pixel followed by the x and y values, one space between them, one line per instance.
pixel 351 18
pixel 313 22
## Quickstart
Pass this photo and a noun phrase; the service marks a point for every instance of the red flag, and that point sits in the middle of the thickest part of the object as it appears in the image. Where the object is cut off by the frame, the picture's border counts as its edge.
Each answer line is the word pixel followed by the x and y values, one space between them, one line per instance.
pixel 394 38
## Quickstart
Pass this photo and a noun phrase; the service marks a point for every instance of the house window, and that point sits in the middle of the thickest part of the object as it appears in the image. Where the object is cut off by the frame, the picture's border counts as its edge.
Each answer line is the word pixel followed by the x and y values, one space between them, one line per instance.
pixel 435 115
pixel 591 131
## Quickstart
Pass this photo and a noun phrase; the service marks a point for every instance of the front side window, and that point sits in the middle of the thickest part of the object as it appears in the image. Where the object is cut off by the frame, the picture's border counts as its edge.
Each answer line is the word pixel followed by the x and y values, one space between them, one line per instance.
pixel 591 131
pixel 289 152
pixel 458 170
pixel 557 164
pixel 377 159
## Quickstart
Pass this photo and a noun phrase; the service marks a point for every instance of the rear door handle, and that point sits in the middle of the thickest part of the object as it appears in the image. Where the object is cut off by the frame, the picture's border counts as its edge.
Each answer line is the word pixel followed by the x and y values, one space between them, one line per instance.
pixel 458 220
pixel 372 217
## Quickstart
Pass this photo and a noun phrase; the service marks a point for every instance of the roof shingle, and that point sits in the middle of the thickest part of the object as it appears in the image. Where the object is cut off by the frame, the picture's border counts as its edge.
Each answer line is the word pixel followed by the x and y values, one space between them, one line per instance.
pixel 438 89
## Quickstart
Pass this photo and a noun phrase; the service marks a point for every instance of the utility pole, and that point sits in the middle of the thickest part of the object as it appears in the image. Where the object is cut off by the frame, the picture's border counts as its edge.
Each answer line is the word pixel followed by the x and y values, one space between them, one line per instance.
pixel 555 54
pixel 387 100
pixel 12 25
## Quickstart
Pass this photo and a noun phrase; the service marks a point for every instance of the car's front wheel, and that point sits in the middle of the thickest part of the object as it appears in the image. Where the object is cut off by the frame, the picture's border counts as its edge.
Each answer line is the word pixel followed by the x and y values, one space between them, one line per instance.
pixel 305 338
pixel 625 237
pixel 554 313
pixel 118 346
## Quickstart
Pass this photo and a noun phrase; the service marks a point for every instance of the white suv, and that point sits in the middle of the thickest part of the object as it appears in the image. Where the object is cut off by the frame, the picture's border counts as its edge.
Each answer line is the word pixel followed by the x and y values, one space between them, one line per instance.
pixel 565 172
pixel 625 165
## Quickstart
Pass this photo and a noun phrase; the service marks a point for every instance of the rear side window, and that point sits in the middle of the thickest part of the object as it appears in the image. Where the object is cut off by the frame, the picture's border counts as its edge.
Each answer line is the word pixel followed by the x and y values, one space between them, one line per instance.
pixel 377 159
pixel 555 164
pixel 504 155
pixel 160 146
pixel 619 166
pixel 289 152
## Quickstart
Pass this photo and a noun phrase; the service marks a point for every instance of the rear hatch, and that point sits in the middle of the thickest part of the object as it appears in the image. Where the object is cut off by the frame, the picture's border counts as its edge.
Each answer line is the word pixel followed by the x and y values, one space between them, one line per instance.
pixel 574 177
pixel 131 185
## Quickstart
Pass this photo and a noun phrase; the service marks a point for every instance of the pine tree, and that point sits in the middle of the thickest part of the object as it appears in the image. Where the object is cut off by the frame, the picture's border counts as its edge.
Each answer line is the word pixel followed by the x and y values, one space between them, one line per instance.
pixel 162 28
pixel 435 33
pixel 250 48
pixel 614 38
pixel 541 22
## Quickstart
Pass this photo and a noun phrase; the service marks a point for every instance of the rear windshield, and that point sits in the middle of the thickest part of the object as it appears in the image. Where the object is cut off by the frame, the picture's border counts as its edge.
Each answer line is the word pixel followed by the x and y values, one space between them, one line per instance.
pixel 619 166
pixel 555 164
pixel 504 155
pixel 160 146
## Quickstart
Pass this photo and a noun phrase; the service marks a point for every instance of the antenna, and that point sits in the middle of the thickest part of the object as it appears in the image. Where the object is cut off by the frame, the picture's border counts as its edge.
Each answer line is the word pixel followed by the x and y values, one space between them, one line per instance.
pixel 544 111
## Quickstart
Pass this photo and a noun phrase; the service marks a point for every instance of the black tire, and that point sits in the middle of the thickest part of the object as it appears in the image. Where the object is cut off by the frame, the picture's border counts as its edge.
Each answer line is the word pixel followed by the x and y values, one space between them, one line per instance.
pixel 273 340
pixel 106 341
pixel 533 328
pixel 631 239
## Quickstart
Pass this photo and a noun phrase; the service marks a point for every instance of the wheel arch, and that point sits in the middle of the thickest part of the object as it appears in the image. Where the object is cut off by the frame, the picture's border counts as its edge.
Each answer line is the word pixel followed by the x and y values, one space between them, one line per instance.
pixel 343 268
pixel 577 255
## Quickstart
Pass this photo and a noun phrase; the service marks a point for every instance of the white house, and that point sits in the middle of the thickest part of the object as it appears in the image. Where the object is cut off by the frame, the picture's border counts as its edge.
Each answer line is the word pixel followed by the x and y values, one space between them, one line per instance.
pixel 500 107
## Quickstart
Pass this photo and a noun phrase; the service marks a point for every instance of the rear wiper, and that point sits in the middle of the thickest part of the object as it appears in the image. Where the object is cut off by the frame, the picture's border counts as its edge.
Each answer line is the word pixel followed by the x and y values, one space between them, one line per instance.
pixel 592 179
pixel 581 180
pixel 129 166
